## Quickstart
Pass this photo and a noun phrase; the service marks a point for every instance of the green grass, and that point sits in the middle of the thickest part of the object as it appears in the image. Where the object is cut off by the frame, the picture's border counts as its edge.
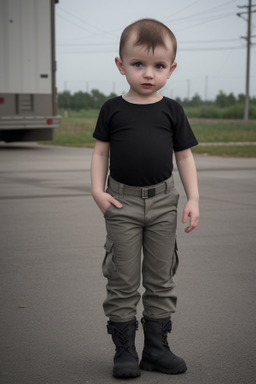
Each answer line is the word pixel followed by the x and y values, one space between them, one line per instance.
pixel 212 111
pixel 83 113
pixel 226 151
pixel 77 131
pixel 219 131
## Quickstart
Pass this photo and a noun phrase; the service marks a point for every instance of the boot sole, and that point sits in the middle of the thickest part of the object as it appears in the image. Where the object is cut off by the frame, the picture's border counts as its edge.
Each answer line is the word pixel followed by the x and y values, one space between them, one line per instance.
pixel 126 373
pixel 146 366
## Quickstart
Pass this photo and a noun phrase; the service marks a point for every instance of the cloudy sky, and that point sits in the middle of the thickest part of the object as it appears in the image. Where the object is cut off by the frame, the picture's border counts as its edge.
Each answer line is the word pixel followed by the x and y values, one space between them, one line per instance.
pixel 211 48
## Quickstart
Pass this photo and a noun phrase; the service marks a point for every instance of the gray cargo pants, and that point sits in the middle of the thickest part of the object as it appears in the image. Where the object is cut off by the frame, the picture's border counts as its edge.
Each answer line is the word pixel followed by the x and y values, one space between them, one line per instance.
pixel 146 222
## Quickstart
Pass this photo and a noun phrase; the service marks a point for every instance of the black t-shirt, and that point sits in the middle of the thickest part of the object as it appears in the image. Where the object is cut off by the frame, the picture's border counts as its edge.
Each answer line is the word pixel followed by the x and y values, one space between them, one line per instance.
pixel 142 139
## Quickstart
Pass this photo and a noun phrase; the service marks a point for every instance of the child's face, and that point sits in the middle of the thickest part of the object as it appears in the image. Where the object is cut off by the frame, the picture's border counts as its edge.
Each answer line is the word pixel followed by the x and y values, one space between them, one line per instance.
pixel 145 71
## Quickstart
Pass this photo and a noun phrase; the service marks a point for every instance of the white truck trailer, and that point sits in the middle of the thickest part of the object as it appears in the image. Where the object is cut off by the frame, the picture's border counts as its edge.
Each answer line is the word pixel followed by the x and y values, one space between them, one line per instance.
pixel 28 96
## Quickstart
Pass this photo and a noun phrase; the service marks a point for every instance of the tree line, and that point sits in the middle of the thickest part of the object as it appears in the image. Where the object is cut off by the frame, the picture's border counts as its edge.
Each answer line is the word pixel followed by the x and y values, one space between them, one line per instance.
pixel 82 100
pixel 222 100
pixel 94 100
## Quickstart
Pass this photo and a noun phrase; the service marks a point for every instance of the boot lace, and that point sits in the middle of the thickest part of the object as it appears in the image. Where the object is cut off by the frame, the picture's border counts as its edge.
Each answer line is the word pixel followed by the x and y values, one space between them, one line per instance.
pixel 166 328
pixel 122 335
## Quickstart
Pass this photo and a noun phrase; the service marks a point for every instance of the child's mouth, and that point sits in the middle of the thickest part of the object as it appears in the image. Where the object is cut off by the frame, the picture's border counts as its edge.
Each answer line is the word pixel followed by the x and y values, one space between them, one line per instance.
pixel 147 85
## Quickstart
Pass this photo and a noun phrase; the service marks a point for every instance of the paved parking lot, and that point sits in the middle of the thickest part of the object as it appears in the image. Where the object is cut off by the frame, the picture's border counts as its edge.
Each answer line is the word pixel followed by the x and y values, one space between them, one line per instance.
pixel 52 324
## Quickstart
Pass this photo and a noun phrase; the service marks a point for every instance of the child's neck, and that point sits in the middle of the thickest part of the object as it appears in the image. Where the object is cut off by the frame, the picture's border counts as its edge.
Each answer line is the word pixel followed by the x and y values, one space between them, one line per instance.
pixel 135 98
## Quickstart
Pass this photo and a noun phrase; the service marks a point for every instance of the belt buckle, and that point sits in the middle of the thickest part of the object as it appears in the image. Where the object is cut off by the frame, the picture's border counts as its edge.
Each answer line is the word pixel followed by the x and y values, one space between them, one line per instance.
pixel 147 193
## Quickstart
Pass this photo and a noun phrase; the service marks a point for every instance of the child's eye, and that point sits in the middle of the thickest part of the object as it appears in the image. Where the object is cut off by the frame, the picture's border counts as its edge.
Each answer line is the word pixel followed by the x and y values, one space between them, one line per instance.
pixel 160 66
pixel 137 65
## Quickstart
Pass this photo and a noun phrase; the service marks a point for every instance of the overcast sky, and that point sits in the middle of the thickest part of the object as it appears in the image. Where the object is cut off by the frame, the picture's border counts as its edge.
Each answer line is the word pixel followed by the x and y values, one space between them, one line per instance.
pixel 211 51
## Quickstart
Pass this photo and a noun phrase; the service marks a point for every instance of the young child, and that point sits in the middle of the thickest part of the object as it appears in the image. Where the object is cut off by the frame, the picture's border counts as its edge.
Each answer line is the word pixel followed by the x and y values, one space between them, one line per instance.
pixel 139 132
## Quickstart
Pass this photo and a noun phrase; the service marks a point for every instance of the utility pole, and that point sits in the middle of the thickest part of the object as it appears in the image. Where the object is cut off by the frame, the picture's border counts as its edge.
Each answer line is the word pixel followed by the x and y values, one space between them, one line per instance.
pixel 247 87
pixel 248 38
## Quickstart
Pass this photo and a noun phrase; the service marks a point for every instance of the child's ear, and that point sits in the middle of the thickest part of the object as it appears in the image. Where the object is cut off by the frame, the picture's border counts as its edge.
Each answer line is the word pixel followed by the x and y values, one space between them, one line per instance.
pixel 173 66
pixel 119 65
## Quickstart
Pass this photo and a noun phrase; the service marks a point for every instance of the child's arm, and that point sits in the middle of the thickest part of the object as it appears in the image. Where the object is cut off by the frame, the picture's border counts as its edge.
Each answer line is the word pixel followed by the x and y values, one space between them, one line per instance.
pixel 99 170
pixel 187 170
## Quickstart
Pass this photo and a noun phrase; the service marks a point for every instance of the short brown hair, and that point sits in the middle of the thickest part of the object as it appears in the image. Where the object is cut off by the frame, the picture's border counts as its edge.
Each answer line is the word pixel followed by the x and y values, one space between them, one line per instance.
pixel 150 33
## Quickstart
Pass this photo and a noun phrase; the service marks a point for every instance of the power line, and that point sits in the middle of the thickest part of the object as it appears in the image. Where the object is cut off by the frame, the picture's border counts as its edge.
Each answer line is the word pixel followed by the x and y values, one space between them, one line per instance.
pixel 204 21
pixel 208 41
pixel 210 49
pixel 185 8
pixel 202 14
pixel 193 18
pixel 84 22
pixel 180 50
pixel 180 43
pixel 203 17
pixel 72 23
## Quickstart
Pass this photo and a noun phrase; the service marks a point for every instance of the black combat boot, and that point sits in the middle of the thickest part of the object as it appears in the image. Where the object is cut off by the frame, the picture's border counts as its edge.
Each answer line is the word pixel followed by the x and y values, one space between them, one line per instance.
pixel 126 361
pixel 157 355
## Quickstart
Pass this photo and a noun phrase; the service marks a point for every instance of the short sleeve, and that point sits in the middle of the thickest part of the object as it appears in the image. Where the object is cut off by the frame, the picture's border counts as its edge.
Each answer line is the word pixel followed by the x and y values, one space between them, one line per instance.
pixel 184 137
pixel 102 130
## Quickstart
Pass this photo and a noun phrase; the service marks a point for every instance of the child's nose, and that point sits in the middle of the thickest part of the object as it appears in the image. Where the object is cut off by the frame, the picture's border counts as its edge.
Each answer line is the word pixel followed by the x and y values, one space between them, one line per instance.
pixel 148 72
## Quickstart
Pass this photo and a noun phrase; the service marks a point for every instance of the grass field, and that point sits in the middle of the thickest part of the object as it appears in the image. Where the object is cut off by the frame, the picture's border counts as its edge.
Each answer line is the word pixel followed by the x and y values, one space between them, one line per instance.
pixel 77 129
pixel 226 151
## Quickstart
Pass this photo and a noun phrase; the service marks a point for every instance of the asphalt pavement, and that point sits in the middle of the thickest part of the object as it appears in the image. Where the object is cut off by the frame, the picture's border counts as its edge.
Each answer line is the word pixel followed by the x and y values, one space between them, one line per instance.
pixel 52 325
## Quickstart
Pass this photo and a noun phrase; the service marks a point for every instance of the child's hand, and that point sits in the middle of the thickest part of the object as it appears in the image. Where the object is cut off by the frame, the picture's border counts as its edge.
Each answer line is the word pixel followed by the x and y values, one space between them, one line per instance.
pixel 104 200
pixel 191 210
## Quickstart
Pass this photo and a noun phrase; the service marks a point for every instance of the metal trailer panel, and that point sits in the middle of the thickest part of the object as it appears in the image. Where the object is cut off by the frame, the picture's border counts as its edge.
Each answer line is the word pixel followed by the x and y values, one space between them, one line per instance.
pixel 25 47
pixel 29 122
pixel 28 96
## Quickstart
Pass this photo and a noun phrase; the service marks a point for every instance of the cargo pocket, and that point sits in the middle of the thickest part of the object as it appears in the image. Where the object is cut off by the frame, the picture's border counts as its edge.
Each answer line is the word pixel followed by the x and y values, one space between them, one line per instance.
pixel 175 260
pixel 109 267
